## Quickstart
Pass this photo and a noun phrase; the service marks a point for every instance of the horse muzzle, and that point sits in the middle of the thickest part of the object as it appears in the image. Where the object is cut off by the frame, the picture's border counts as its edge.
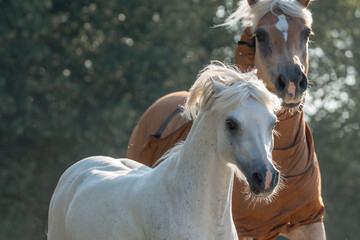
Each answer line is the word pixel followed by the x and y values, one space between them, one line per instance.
pixel 290 85
pixel 263 181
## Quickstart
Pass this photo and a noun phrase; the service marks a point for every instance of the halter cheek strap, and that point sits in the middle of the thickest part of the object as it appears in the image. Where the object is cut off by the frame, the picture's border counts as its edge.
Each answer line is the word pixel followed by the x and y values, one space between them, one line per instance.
pixel 245 51
pixel 251 44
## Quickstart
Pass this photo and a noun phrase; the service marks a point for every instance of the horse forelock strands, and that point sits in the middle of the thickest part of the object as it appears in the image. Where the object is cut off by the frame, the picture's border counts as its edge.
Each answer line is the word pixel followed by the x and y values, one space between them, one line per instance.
pixel 245 85
pixel 202 91
pixel 250 16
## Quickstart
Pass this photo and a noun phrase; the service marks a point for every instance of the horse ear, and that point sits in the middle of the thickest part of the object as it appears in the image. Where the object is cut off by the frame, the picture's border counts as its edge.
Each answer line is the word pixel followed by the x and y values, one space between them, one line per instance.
pixel 251 2
pixel 217 86
pixel 304 3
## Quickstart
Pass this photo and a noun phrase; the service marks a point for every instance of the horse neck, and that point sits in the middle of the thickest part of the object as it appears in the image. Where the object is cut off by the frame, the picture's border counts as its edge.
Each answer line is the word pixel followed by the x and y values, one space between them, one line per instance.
pixel 204 181
pixel 289 126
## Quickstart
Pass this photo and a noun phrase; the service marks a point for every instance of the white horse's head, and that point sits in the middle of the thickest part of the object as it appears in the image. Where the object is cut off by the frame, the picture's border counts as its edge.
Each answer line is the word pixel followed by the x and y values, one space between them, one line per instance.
pixel 244 112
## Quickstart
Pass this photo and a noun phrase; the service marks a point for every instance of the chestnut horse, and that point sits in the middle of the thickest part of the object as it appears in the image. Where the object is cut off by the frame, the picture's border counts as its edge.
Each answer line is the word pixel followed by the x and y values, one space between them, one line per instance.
pixel 275 42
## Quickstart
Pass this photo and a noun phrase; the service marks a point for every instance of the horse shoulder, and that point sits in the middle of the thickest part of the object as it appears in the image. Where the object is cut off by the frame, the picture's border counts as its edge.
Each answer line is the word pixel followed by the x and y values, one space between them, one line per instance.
pixel 65 190
pixel 96 191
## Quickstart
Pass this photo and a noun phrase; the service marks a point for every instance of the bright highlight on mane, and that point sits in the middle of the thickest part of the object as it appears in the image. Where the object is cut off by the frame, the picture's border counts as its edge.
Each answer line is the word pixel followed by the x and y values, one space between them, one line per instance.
pixel 251 15
pixel 239 87
pixel 243 86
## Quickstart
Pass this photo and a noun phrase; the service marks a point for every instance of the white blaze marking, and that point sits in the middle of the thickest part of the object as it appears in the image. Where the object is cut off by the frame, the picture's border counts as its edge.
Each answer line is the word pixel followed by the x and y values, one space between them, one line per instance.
pixel 291 90
pixel 283 26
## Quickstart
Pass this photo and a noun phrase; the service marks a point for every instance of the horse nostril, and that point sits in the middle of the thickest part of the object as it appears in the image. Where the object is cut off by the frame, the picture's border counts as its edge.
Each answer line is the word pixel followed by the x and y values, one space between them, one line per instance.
pixel 303 83
pixel 275 179
pixel 258 178
pixel 280 83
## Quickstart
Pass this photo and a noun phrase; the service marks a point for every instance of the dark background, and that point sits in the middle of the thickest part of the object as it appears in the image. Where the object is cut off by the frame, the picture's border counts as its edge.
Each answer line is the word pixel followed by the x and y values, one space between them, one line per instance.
pixel 75 77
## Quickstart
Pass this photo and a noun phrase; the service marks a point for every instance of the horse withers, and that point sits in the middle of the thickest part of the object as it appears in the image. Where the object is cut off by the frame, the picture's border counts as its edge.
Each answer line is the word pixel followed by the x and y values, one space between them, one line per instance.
pixel 188 196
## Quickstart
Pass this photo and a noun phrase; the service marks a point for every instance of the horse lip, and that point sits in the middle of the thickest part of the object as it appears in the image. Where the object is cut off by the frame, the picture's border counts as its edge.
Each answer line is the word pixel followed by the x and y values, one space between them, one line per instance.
pixel 288 102
pixel 257 192
pixel 291 105
pixel 264 194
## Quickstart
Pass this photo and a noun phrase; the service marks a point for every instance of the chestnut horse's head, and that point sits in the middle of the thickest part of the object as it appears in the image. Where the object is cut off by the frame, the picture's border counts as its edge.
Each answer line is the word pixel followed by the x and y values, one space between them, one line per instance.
pixel 281 30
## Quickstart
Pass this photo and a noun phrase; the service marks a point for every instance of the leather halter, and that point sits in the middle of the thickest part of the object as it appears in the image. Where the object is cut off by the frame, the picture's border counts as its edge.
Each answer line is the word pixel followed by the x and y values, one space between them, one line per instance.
pixel 251 44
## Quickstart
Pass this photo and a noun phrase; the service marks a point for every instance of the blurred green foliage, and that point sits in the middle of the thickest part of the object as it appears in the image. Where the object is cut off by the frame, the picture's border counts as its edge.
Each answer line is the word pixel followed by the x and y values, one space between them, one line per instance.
pixel 75 76
pixel 335 68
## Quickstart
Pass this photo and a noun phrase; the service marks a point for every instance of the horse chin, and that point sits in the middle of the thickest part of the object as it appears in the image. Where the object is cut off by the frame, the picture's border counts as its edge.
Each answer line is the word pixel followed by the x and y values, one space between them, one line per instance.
pixel 255 195
pixel 289 102
pixel 291 105
pixel 261 193
pixel 266 198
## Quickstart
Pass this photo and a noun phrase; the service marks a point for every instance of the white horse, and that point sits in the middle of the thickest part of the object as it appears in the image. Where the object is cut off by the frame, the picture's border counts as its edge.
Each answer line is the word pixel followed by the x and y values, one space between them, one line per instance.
pixel 188 196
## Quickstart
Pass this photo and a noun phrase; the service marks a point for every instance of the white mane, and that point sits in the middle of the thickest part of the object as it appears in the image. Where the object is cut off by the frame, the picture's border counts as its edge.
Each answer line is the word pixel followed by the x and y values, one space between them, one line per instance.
pixel 202 94
pixel 250 16
pixel 243 86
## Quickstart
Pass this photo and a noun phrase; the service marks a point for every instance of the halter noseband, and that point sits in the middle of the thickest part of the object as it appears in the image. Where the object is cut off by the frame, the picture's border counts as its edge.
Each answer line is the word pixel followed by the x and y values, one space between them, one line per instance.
pixel 251 44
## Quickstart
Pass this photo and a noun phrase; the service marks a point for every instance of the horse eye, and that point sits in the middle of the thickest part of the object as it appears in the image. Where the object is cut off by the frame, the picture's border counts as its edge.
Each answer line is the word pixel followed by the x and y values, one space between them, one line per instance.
pixel 231 125
pixel 260 35
pixel 307 33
